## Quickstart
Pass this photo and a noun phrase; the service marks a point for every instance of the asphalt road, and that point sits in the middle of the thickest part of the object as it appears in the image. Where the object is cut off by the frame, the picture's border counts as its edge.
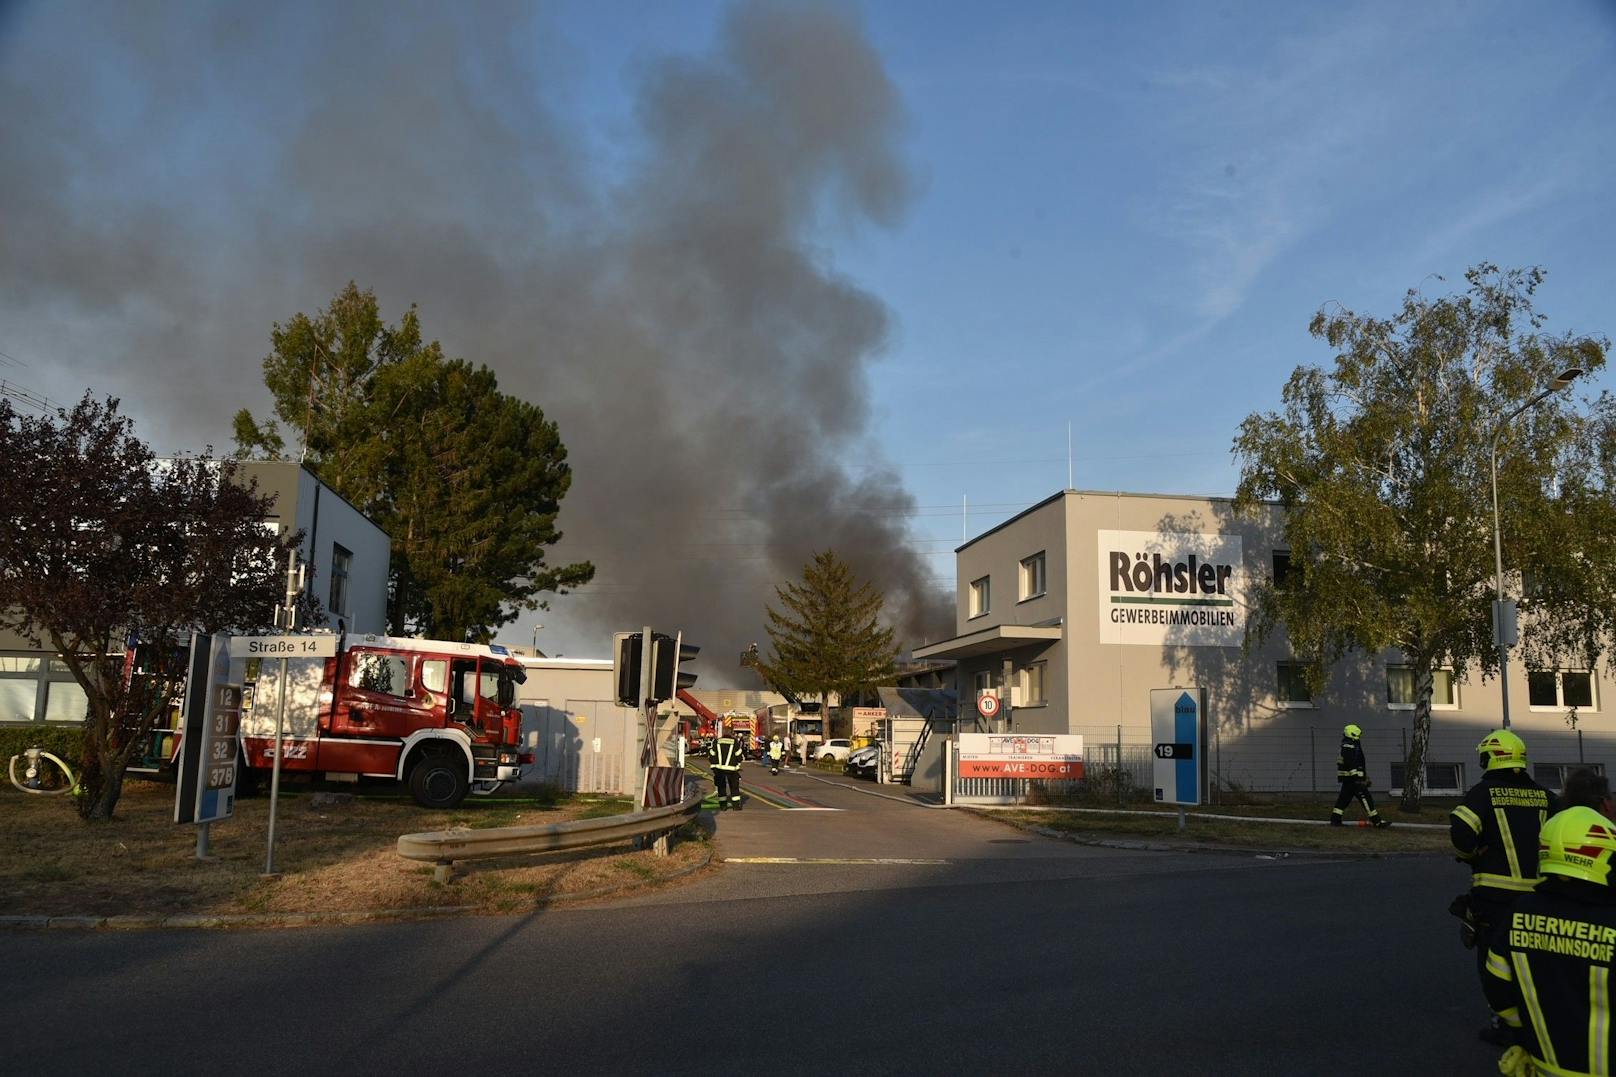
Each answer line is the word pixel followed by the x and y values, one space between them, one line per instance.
pixel 895 939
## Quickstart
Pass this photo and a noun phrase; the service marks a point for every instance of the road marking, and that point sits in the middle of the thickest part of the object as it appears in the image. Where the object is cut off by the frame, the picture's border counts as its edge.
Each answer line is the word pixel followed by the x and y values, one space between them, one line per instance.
pixel 829 860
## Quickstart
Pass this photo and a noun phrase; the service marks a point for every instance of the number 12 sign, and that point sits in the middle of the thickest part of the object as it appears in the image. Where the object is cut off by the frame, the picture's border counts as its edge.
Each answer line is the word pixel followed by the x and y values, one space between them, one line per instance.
pixel 208 750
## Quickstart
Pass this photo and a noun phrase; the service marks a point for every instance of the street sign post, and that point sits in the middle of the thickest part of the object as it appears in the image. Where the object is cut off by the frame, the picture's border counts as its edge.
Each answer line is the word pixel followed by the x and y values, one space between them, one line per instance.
pixel 284 647
pixel 1178 729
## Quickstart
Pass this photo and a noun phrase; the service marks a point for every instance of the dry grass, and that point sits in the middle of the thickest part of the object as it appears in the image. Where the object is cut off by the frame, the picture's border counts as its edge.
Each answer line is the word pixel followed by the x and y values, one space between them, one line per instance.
pixel 332 859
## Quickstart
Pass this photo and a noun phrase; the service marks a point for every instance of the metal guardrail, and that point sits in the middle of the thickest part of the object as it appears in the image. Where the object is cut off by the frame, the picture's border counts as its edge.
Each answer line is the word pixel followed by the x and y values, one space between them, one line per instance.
pixel 444 847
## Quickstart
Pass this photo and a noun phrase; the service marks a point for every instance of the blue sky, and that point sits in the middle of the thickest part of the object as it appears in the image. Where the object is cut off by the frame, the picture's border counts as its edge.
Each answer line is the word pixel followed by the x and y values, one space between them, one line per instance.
pixel 1121 217
pixel 1128 217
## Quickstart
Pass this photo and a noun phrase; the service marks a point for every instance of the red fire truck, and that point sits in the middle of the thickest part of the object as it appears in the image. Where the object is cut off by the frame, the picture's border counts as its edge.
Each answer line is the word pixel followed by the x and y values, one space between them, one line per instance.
pixel 439 716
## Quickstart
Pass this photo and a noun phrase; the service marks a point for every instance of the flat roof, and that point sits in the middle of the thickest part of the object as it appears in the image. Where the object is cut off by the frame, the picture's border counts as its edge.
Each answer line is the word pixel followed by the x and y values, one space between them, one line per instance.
pixel 1090 493
pixel 990 640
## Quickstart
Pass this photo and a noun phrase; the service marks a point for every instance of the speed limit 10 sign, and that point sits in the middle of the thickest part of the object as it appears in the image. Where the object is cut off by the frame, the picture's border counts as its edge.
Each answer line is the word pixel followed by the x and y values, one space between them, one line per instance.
pixel 987 705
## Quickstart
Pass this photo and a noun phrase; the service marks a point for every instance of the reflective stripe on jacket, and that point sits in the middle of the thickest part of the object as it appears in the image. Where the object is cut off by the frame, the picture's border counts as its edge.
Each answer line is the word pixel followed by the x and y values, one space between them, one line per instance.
pixel 1349 762
pixel 1495 829
pixel 1548 976
pixel 726 754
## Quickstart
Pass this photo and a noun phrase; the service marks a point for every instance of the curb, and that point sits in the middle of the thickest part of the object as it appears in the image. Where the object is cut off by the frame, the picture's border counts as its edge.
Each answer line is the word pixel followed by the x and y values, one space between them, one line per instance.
pixel 1141 845
pixel 141 922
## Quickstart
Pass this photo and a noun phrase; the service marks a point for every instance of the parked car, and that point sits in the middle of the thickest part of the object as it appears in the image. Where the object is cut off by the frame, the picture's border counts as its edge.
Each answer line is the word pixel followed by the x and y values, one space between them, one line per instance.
pixel 837 748
pixel 863 762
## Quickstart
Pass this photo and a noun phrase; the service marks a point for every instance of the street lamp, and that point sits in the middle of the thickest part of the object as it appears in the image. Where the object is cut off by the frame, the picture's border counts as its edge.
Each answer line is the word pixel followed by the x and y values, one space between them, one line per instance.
pixel 1502 631
pixel 537 627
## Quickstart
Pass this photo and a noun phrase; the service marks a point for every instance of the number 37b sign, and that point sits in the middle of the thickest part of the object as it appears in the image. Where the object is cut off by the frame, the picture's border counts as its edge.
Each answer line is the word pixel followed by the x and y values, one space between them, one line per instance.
pixel 206 785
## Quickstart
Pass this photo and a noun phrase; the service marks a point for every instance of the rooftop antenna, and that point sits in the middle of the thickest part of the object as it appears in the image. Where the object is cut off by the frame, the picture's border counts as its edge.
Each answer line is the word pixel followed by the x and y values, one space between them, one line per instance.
pixel 965 514
pixel 1068 454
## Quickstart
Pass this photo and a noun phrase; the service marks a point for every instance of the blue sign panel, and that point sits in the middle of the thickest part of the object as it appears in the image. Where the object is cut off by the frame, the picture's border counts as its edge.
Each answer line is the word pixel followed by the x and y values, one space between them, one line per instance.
pixel 1176 718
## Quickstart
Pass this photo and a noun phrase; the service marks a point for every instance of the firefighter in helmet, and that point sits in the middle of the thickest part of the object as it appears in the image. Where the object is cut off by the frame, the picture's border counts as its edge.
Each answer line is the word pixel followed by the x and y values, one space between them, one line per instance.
pixel 726 759
pixel 1495 831
pixel 1354 778
pixel 1548 977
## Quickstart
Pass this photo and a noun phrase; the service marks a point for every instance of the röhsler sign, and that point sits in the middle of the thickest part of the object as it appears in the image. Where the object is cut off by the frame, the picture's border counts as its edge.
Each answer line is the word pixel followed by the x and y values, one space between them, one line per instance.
pixel 1047 756
pixel 1182 588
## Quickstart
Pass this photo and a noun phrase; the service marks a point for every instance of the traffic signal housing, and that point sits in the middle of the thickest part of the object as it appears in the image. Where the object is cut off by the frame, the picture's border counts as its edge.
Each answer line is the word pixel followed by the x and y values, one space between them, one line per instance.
pixel 667 652
pixel 626 668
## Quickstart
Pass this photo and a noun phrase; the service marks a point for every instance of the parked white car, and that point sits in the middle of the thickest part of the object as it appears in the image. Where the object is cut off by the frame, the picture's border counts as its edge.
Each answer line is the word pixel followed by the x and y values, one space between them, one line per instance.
pixel 836 749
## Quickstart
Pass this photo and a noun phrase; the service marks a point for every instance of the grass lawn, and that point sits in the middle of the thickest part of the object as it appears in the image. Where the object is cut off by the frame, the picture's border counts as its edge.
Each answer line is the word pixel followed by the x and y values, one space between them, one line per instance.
pixel 338 858
pixel 1162 825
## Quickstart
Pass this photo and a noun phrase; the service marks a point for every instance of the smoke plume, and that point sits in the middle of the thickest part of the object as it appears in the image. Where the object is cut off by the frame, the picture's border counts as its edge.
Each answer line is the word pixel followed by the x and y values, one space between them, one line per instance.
pixel 175 179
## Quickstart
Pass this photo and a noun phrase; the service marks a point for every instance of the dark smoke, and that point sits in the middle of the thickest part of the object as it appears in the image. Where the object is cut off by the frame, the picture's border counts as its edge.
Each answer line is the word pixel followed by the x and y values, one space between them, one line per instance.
pixel 175 179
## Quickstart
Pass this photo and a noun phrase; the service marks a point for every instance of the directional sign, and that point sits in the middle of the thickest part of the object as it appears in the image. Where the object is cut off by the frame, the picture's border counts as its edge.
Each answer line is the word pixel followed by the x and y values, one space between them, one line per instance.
pixel 324 646
pixel 1177 718
pixel 987 705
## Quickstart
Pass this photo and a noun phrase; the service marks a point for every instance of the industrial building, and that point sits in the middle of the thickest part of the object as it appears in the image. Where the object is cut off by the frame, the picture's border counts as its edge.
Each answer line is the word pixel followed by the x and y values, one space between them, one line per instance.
pixel 1075 609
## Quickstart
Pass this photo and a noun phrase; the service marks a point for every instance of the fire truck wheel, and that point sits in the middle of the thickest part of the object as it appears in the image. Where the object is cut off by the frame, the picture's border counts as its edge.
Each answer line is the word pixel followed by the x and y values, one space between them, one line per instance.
pixel 249 783
pixel 439 780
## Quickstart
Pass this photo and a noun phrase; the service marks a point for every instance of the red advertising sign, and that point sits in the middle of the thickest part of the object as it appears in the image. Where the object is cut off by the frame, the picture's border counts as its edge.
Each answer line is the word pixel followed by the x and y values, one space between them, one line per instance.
pixel 1049 769
pixel 1024 756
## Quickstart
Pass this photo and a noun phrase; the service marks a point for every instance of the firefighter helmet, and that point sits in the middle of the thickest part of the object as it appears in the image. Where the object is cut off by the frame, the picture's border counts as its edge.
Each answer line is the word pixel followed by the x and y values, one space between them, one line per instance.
pixel 1501 750
pixel 1577 843
pixel 1351 732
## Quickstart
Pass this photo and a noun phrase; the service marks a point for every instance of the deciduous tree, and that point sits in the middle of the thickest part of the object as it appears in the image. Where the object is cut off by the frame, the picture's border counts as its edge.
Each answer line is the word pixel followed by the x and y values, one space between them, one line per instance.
pixel 102 545
pixel 1381 465
pixel 466 480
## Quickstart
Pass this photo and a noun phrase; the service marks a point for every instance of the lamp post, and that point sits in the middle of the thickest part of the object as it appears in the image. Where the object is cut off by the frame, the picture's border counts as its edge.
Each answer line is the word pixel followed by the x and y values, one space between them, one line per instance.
pixel 536 638
pixel 1501 630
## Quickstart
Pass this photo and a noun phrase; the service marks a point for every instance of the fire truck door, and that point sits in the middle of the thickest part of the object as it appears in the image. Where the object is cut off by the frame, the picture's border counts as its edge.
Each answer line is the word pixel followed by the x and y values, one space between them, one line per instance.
pixel 382 697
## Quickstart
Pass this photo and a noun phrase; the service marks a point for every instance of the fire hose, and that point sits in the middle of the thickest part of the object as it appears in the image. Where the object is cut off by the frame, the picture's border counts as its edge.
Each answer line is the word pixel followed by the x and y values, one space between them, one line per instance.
pixel 34 773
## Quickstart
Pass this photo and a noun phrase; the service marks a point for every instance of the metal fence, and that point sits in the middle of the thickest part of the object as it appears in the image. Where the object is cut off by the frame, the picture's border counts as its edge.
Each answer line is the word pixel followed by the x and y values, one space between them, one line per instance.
pixel 1297 760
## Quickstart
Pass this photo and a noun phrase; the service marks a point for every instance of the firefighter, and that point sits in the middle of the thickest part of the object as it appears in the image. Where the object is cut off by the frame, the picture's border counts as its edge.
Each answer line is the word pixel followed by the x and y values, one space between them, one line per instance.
pixel 726 757
pixel 776 750
pixel 1354 779
pixel 1495 831
pixel 1548 977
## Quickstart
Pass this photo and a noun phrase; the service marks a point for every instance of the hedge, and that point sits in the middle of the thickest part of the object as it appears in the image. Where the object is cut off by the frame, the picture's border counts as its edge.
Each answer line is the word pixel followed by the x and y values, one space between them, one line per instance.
pixel 67 742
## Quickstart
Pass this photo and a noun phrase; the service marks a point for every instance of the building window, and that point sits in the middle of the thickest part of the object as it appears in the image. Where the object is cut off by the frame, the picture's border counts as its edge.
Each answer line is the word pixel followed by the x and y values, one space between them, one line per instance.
pixel 1439 777
pixel 65 701
pixel 1033 691
pixel 1032 576
pixel 19 687
pixel 1402 684
pixel 1282 568
pixel 1561 690
pixel 981 681
pixel 981 596
pixel 1293 689
pixel 341 566
pixel 1553 776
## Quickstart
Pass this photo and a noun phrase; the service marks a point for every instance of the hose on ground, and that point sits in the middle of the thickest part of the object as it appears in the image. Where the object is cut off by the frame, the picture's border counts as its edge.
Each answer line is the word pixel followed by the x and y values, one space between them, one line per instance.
pixel 33 773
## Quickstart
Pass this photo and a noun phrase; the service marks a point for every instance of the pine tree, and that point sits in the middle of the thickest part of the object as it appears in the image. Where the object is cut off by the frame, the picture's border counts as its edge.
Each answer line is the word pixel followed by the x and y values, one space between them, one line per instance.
pixel 828 638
